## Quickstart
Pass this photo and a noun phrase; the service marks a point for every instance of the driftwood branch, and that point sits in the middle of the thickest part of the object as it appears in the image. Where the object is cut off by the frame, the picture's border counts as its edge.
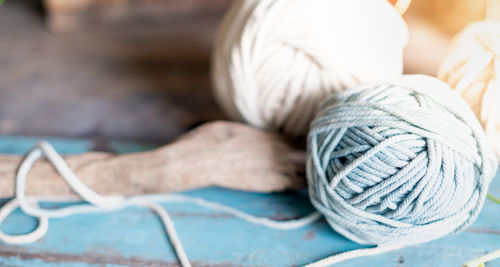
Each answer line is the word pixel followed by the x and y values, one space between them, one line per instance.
pixel 223 154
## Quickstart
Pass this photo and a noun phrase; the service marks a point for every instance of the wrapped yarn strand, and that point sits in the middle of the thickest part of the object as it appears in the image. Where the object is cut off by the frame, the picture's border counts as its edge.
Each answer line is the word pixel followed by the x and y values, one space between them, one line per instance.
pixel 97 204
pixel 398 163
pixel 473 70
pixel 274 61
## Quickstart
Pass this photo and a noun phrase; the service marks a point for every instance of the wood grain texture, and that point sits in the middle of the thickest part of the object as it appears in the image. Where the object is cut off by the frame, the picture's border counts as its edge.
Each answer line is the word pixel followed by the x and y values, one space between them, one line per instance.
pixel 72 15
pixel 225 154
pixel 134 80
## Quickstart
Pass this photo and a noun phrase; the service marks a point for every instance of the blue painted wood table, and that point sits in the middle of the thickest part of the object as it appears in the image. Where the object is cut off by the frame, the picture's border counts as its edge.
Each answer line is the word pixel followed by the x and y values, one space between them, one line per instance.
pixel 135 237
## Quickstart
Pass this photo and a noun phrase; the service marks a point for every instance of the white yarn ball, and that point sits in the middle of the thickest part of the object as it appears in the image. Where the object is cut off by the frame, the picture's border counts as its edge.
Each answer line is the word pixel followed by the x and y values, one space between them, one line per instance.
pixel 473 69
pixel 276 60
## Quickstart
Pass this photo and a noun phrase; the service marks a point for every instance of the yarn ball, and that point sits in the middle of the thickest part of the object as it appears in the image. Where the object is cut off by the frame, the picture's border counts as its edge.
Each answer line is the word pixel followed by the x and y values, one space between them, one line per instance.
pixel 275 60
pixel 473 69
pixel 398 162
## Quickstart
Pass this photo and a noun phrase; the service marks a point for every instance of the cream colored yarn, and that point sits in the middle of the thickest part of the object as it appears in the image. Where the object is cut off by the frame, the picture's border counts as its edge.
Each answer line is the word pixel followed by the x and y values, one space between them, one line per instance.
pixel 275 60
pixel 473 69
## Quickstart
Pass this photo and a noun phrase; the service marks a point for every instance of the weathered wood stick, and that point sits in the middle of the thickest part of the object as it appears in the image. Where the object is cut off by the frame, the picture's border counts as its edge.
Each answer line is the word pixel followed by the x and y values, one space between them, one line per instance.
pixel 223 154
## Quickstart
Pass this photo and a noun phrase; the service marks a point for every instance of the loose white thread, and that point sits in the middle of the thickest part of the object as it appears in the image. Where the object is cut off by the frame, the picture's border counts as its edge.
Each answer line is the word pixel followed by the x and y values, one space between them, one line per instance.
pixel 98 204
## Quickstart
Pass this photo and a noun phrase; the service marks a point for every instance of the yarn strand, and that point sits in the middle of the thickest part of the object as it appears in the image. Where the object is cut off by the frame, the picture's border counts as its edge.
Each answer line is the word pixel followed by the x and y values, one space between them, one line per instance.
pixel 482 260
pixel 99 204
pixel 472 69
pixel 171 233
pixel 494 199
pixel 490 256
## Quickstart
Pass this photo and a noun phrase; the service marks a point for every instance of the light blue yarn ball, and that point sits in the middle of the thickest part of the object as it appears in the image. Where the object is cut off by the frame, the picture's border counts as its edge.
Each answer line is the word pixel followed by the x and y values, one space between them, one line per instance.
pixel 403 161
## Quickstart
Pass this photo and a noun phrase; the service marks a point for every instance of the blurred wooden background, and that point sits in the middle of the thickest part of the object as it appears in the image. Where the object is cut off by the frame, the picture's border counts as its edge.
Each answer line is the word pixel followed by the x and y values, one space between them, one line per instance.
pixel 128 69
pixel 136 77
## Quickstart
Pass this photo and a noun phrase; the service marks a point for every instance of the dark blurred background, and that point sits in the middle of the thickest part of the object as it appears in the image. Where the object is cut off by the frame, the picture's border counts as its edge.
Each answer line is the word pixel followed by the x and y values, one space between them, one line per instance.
pixel 139 69
pixel 130 70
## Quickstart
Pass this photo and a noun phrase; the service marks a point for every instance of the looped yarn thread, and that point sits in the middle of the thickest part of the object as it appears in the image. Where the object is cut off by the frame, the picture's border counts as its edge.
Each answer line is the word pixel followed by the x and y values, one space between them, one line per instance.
pixel 398 162
pixel 97 203
pixel 472 69
pixel 275 60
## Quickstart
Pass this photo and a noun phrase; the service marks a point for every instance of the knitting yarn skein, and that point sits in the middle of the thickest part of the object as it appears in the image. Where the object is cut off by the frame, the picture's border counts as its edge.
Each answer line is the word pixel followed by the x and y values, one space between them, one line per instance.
pixel 398 162
pixel 275 60
pixel 472 69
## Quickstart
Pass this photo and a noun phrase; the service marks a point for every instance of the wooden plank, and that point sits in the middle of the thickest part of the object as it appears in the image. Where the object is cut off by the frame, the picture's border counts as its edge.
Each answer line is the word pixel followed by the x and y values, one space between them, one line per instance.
pixel 135 80
pixel 73 15
pixel 134 237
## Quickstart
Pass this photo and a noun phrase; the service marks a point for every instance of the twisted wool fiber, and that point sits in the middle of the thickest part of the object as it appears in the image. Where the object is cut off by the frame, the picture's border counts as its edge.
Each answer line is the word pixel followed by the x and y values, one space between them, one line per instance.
pixel 472 69
pixel 398 162
pixel 275 60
